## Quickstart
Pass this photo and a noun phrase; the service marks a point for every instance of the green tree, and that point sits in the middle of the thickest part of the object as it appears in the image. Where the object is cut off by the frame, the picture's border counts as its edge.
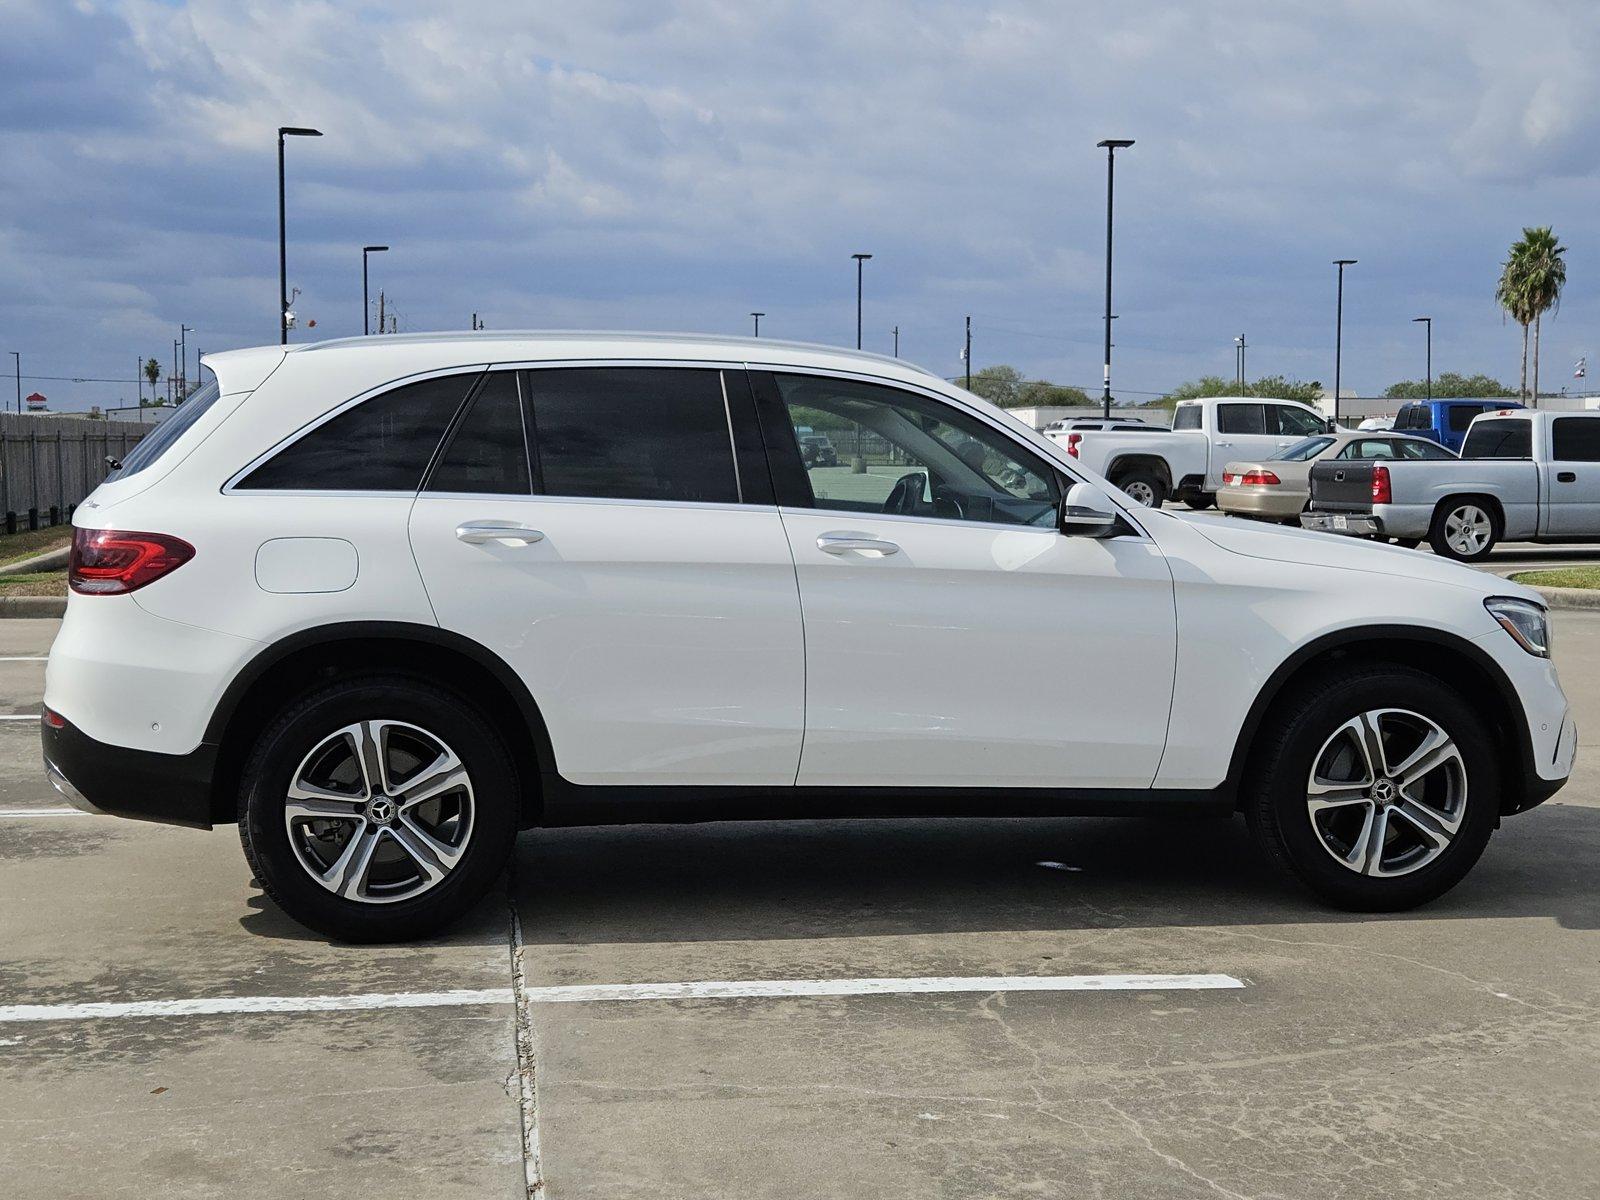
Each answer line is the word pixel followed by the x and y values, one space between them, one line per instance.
pixel 1449 386
pixel 1276 387
pixel 1545 274
pixel 998 384
pixel 152 372
pixel 1036 393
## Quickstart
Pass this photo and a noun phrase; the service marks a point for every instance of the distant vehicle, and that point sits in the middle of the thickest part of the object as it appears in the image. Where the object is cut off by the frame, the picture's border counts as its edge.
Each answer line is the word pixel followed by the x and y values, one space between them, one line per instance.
pixel 1117 424
pixel 1373 423
pixel 1186 461
pixel 1523 476
pixel 1278 488
pixel 817 451
pixel 1444 421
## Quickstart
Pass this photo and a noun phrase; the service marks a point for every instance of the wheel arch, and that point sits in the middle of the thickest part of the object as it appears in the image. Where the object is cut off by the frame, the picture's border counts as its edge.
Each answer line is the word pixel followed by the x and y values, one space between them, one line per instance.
pixel 1451 659
pixel 1124 463
pixel 296 662
pixel 1490 503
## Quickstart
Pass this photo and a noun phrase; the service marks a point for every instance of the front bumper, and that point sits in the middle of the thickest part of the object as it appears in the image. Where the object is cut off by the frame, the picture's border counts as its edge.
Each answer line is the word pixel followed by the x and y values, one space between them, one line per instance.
pixel 174 789
pixel 1351 524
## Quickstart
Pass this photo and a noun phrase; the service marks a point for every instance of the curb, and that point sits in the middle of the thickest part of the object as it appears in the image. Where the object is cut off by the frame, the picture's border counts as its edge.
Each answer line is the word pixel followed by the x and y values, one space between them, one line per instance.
pixel 33 606
pixel 50 560
pixel 1561 597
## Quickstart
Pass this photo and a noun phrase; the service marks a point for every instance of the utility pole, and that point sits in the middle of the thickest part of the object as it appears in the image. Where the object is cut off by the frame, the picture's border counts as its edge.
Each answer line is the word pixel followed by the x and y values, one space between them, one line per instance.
pixel 1111 146
pixel 380 310
pixel 138 381
pixel 366 319
pixel 172 380
pixel 897 341
pixel 966 354
pixel 16 354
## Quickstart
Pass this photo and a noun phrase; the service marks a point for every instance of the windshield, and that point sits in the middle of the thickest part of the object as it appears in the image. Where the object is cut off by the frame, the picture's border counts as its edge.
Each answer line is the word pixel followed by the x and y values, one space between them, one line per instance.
pixel 1304 449
pixel 155 443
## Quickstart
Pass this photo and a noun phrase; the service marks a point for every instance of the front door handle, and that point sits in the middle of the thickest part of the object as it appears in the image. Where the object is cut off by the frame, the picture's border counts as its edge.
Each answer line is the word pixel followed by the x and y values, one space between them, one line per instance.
pixel 844 541
pixel 476 533
pixel 1566 477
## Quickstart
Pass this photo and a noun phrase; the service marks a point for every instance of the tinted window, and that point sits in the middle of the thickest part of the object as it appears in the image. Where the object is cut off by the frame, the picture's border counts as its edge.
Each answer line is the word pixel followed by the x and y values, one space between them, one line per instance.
pixel 154 444
pixel 381 445
pixel 1413 416
pixel 1186 416
pixel 911 455
pixel 1296 422
pixel 1461 416
pixel 1241 418
pixel 487 453
pixel 1415 448
pixel 1499 438
pixel 1576 439
pixel 1303 451
pixel 633 433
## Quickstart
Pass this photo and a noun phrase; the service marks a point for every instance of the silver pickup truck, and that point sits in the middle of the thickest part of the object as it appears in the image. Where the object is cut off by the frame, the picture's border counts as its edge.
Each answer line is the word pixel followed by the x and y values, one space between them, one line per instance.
pixel 1524 475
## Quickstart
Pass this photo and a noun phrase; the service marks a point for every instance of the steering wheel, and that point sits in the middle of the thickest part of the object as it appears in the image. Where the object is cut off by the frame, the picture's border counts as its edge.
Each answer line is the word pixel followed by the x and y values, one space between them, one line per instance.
pixel 905 495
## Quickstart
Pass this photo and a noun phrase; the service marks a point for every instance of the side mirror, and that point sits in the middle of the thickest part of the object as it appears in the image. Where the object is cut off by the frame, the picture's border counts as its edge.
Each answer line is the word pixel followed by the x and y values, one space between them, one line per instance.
pixel 1083 514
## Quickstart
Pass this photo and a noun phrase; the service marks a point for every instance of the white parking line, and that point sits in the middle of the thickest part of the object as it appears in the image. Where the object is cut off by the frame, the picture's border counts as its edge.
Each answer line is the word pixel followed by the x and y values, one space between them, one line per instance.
pixel 42 812
pixel 586 993
pixel 19 716
pixel 25 658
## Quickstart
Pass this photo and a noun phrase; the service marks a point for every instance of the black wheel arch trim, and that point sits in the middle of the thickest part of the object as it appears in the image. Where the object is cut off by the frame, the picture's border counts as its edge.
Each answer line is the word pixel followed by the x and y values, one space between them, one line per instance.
pixel 1523 786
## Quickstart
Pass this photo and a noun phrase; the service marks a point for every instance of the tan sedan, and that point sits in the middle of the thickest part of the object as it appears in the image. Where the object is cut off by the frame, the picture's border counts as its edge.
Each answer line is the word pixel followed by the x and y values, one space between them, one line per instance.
pixel 1276 489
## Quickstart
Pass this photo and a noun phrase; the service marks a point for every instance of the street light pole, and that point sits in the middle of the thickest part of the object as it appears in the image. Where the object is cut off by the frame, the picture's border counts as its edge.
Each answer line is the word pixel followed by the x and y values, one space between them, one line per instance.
pixel 183 359
pixel 860 258
pixel 1428 321
pixel 966 354
pixel 283 243
pixel 1338 333
pixel 897 341
pixel 1238 355
pixel 18 356
pixel 758 317
pixel 366 319
pixel 1111 145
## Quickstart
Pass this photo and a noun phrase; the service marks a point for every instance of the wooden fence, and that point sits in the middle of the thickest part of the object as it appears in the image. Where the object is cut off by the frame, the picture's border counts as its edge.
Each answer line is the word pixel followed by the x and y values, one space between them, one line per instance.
pixel 49 464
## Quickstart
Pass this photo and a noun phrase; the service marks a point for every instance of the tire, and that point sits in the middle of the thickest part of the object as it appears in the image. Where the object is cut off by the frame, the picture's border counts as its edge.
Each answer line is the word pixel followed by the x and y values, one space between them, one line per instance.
pixel 413 865
pixel 1200 501
pixel 1316 729
pixel 1143 487
pixel 1465 528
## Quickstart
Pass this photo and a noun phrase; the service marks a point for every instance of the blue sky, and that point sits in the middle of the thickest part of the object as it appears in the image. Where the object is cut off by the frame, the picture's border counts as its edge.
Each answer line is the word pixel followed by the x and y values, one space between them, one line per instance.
pixel 647 164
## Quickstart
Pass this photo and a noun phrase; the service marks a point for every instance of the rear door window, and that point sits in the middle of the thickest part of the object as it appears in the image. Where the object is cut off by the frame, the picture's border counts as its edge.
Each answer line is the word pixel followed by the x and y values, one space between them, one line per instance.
pixel 1575 439
pixel 633 433
pixel 1241 418
pixel 380 445
pixel 1296 422
pixel 488 453
pixel 1499 438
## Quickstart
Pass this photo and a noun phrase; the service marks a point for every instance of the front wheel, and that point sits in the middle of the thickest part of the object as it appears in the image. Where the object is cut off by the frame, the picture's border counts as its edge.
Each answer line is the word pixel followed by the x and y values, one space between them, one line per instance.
pixel 378 809
pixel 1143 487
pixel 1376 787
pixel 1463 530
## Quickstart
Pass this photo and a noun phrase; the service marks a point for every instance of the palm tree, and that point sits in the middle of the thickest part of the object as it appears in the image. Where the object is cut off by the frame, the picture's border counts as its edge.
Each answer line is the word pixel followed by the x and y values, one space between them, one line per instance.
pixel 1511 292
pixel 152 372
pixel 1544 275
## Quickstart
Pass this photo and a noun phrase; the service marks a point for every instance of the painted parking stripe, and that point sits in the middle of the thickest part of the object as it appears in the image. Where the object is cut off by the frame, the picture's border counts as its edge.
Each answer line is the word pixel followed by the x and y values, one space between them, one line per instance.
pixel 589 993
pixel 19 716
pixel 42 812
pixel 25 658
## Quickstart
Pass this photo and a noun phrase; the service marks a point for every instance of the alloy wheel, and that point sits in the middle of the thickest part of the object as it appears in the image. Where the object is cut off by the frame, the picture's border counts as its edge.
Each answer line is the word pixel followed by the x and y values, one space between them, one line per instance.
pixel 379 811
pixel 1467 529
pixel 1387 792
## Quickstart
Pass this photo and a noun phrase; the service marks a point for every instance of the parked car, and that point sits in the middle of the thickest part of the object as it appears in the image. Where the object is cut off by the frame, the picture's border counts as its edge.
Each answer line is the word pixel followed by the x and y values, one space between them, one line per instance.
pixel 1119 424
pixel 1186 461
pixel 818 451
pixel 1445 421
pixel 1375 423
pixel 1279 488
pixel 384 605
pixel 1523 475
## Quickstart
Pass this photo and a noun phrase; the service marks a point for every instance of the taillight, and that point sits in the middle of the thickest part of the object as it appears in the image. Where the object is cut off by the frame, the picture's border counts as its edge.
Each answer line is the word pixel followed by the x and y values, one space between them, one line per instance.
pixel 1226 478
pixel 1381 493
pixel 1260 479
pixel 1072 443
pixel 54 719
pixel 110 562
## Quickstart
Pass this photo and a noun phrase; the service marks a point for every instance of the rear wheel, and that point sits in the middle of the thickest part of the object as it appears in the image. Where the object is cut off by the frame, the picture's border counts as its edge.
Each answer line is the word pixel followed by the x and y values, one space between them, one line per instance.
pixel 1143 487
pixel 1465 530
pixel 1376 788
pixel 378 809
pixel 1200 500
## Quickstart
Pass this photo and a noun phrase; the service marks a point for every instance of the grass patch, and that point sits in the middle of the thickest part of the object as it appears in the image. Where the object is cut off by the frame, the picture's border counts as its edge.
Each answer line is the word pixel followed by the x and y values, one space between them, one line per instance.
pixel 34 583
pixel 1572 577
pixel 27 543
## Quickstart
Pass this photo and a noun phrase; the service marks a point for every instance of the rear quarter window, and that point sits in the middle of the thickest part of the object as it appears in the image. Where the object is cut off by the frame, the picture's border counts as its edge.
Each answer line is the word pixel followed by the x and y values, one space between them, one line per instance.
pixel 161 439
pixel 1187 416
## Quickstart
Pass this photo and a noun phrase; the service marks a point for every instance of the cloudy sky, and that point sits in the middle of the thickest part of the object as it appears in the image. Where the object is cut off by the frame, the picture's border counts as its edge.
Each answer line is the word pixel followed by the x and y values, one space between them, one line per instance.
pixel 661 165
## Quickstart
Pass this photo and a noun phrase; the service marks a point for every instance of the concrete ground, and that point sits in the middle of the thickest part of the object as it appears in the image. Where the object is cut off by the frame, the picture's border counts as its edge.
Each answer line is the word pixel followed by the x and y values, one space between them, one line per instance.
pixel 1451 1052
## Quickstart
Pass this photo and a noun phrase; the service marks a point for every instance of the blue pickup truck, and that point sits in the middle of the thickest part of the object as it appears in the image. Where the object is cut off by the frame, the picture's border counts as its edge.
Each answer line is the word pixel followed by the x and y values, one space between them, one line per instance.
pixel 1444 421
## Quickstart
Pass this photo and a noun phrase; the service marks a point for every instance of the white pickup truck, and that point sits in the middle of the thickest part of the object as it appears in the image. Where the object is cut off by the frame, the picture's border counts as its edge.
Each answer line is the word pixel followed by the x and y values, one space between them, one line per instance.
pixel 1186 461
pixel 1524 475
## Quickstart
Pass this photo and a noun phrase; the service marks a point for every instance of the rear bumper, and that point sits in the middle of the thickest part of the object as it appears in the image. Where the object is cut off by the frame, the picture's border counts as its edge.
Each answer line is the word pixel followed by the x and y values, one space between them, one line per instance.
pixel 1351 524
pixel 174 789
pixel 1254 502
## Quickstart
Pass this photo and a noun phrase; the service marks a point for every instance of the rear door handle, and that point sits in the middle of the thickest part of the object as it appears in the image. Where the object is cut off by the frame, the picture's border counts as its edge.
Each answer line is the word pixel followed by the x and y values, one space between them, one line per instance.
pixel 844 541
pixel 476 533
pixel 1566 477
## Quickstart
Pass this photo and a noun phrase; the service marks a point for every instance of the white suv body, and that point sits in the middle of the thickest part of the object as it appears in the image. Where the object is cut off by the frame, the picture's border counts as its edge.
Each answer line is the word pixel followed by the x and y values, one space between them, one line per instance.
pixel 588 578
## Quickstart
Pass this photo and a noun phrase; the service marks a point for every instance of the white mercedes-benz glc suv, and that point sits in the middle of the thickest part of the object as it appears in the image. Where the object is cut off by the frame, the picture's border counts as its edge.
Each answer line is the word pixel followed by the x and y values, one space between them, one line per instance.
pixel 386 601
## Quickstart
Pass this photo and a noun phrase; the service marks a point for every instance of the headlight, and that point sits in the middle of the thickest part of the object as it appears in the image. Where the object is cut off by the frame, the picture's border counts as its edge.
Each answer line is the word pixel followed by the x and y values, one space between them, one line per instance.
pixel 1527 623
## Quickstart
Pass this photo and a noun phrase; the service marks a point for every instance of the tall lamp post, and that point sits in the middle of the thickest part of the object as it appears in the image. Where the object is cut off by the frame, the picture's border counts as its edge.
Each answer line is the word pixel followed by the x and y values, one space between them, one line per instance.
pixel 757 316
pixel 1338 333
pixel 1428 321
pixel 860 258
pixel 366 318
pixel 1111 146
pixel 283 245
pixel 1238 355
pixel 183 359
pixel 897 341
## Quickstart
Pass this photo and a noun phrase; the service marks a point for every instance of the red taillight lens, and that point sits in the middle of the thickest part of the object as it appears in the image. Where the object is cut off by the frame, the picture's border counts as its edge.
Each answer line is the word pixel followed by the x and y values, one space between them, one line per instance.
pixel 1072 443
pixel 110 562
pixel 54 719
pixel 1380 486
pixel 1260 479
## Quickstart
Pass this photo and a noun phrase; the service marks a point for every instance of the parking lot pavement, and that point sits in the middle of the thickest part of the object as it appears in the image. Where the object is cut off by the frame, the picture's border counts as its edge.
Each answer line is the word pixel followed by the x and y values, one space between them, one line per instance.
pixel 1446 1052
